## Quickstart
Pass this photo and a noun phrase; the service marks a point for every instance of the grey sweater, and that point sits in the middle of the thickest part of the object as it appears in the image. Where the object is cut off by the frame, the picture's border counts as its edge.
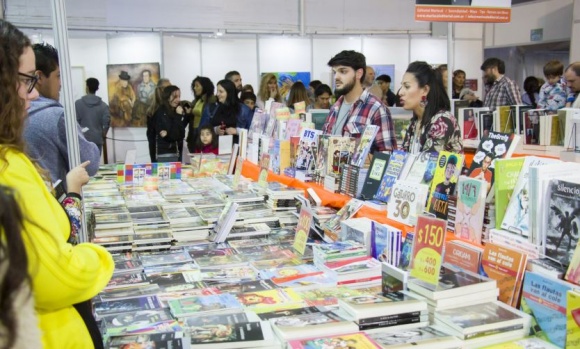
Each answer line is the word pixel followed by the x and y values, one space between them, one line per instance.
pixel 45 135
pixel 93 114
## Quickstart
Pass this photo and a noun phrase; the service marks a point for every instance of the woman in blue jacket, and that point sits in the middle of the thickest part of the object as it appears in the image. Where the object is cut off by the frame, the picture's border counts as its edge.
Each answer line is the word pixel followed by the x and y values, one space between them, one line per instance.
pixel 228 115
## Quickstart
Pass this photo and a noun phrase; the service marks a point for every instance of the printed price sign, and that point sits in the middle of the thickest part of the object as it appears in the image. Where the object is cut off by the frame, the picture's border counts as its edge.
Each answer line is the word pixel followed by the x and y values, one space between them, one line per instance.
pixel 302 230
pixel 428 249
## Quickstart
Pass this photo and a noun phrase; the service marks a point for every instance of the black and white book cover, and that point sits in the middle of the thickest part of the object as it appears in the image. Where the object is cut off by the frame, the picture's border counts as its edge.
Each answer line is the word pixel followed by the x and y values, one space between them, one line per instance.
pixel 562 220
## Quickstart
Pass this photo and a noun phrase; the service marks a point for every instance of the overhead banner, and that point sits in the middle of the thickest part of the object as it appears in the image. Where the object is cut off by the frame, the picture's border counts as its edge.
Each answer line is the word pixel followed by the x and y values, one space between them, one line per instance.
pixel 474 11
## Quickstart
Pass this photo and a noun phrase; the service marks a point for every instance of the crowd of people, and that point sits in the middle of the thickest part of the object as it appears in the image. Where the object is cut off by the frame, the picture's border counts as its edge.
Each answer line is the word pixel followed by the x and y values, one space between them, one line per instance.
pixel 48 278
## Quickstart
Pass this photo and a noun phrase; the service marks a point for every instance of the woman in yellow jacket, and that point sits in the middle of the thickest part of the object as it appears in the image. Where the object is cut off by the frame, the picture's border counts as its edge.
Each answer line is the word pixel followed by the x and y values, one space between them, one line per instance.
pixel 62 274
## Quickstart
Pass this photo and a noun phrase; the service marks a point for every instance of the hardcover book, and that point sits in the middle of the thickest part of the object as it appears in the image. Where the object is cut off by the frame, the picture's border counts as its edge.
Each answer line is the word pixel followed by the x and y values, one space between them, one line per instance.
pixel 407 202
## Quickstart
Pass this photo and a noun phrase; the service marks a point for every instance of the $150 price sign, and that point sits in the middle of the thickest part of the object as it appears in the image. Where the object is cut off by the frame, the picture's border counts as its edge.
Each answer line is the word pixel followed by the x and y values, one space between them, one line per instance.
pixel 428 249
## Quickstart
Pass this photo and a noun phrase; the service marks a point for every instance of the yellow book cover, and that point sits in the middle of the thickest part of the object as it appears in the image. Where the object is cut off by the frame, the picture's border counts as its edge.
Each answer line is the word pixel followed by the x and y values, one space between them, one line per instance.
pixel 506 120
pixel 443 184
pixel 269 298
pixel 285 161
pixel 573 320
pixel 555 131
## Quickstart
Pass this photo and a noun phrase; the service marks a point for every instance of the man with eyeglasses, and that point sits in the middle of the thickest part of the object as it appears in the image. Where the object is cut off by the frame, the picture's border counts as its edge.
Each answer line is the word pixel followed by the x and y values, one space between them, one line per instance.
pixel 45 131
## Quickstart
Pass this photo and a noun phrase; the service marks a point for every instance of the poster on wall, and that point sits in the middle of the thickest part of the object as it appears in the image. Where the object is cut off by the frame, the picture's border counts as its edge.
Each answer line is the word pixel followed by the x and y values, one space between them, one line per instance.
pixel 474 11
pixel 287 79
pixel 131 92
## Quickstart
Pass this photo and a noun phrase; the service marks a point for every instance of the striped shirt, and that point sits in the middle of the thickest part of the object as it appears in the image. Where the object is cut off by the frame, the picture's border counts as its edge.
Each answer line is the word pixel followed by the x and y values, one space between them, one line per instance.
pixel 366 110
pixel 504 91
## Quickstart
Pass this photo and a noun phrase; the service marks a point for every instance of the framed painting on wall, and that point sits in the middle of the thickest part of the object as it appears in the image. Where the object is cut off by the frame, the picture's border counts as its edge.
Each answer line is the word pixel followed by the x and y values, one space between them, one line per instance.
pixel 131 92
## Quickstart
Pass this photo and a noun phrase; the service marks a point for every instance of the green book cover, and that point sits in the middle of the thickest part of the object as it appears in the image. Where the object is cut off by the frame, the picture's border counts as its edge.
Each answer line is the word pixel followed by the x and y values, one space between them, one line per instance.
pixel 507 172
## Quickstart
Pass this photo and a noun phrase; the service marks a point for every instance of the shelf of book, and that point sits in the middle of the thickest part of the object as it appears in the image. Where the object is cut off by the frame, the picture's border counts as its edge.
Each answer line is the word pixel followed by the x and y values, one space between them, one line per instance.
pixel 335 200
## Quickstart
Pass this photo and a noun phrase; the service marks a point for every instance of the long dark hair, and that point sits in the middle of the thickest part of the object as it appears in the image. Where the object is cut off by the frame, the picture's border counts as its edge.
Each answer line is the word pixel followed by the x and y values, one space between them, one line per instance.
pixel 166 95
pixel 437 98
pixel 13 254
pixel 214 140
pixel 232 103
pixel 531 86
pixel 207 88
pixel 298 93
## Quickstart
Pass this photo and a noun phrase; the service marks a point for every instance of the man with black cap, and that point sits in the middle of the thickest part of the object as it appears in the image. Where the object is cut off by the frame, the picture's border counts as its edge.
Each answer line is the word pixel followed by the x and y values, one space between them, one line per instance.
pixel 122 101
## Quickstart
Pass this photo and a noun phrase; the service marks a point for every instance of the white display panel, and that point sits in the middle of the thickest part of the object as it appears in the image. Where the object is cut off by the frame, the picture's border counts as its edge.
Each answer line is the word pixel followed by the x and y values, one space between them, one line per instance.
pixel 327 47
pixel 284 54
pixel 134 48
pixel 433 51
pixel 221 55
pixel 181 62
pixel 92 55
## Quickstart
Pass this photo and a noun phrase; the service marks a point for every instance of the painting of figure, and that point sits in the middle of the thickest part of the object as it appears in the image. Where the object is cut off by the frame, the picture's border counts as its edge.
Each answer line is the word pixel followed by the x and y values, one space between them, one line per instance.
pixel 131 92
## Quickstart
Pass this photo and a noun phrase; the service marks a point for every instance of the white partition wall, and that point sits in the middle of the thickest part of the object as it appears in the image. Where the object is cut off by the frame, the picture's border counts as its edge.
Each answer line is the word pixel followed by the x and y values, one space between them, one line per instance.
pixel 284 54
pixel 575 39
pixel 389 51
pixel 324 48
pixel 91 54
pixel 181 61
pixel 223 54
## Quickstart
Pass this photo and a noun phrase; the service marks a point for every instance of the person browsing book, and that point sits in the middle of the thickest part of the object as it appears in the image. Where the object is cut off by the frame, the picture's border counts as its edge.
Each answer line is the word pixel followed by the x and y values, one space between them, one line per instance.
pixel 357 107
pixel 206 141
pixel 432 127
pixel 229 115
pixel 62 275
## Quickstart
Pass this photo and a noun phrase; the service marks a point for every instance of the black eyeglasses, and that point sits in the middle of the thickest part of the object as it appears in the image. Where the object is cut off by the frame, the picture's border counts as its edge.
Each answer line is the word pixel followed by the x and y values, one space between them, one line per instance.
pixel 29 80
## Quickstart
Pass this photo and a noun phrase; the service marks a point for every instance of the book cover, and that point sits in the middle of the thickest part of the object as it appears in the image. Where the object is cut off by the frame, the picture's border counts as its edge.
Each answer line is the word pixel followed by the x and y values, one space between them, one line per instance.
pixel 247 333
pixel 562 221
pixel 374 175
pixel 505 266
pixel 469 319
pixel 364 145
pixel 407 202
pixel 443 185
pixel 203 304
pixel 396 162
pixel 302 230
pixel 423 337
pixel 268 298
pixel 545 300
pixel 126 305
pixel 573 319
pixel 339 152
pixel 353 340
pixel 307 150
pixel 386 243
pixel 462 255
pixel 516 218
pixel 423 168
pixel 507 172
pixel 327 296
pixel 493 146
pixel 172 340
pixel 470 208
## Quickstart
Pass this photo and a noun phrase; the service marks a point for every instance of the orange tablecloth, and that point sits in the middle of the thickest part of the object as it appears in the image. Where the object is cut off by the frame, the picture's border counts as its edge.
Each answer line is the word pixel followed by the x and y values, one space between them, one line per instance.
pixel 334 200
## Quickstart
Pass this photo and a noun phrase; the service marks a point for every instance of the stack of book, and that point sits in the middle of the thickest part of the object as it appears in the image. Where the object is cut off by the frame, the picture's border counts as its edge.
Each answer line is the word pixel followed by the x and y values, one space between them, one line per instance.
pixel 486 324
pixel 337 251
pixel 456 288
pixel 356 272
pixel 395 311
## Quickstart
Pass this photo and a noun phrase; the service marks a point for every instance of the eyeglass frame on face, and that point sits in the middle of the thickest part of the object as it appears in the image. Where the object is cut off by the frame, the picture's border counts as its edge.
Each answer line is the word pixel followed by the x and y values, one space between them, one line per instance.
pixel 30 82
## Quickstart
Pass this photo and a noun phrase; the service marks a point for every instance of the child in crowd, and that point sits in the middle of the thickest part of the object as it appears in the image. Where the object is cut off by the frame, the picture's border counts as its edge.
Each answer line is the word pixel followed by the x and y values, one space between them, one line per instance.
pixel 207 141
pixel 554 94
pixel 249 99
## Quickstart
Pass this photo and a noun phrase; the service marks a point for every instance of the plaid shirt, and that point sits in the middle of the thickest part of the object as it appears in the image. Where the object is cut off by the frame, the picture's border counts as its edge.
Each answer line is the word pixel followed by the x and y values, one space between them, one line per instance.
pixel 503 92
pixel 366 110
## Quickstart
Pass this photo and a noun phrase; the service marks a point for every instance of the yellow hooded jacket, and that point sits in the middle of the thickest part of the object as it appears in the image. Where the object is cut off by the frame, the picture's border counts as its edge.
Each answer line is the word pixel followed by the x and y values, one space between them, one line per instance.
pixel 62 274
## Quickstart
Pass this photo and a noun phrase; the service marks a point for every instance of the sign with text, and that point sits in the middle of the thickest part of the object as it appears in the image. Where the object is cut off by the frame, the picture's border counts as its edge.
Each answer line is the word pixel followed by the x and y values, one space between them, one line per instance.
pixel 427 252
pixel 473 11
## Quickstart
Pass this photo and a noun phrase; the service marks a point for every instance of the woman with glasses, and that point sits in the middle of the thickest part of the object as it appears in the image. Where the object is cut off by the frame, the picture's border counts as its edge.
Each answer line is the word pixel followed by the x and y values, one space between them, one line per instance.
pixel 60 274
pixel 229 115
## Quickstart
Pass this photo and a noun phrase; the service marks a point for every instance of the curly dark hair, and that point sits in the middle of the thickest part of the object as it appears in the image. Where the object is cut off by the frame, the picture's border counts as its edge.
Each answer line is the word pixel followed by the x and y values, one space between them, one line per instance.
pixel 214 140
pixel 13 254
pixel 207 87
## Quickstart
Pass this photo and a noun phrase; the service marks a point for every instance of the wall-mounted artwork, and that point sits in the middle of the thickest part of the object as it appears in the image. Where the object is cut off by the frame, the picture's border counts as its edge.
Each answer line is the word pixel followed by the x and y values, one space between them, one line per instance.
pixel 287 79
pixel 131 92
pixel 385 69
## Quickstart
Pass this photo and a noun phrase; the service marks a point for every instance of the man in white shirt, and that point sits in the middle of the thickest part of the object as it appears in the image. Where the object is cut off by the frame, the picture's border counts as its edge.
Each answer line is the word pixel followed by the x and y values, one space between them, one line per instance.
pixel 572 75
